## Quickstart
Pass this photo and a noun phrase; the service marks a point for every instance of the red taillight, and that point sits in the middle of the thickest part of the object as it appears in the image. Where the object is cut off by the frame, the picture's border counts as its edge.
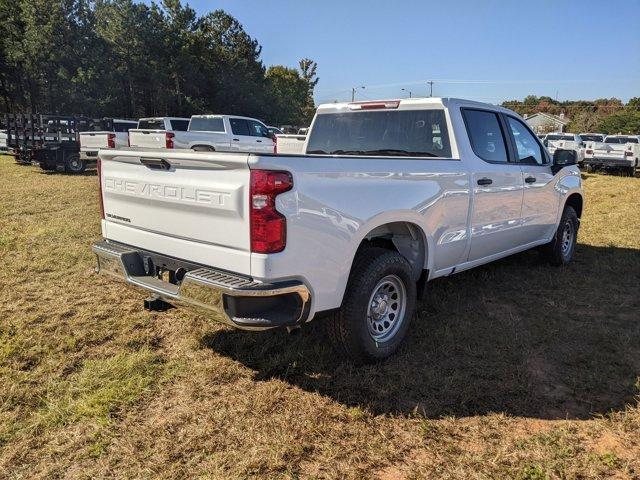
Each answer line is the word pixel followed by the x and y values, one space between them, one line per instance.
pixel 589 152
pixel 111 140
pixel 268 226
pixel 99 166
pixel 628 153
pixel 169 139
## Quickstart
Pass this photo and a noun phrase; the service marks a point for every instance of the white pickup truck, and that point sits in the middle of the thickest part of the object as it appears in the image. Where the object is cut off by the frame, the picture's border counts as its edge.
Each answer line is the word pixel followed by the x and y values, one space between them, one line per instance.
pixel 566 141
pixel 117 136
pixel 3 141
pixel 208 133
pixel 616 152
pixel 388 196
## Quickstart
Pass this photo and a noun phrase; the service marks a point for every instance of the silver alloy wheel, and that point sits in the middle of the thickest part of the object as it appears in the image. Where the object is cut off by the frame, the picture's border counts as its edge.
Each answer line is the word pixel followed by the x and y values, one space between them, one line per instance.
pixel 75 164
pixel 386 310
pixel 567 238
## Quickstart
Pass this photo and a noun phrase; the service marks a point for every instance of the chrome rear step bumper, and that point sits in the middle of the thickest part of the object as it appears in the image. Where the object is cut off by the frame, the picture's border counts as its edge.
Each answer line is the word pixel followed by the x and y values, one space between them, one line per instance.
pixel 225 297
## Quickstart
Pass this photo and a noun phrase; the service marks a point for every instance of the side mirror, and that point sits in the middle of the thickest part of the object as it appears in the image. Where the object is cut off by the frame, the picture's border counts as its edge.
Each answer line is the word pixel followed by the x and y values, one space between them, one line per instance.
pixel 563 158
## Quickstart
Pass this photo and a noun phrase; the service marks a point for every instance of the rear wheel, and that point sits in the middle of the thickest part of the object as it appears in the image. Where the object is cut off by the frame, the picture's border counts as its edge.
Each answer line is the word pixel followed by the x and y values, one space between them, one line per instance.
pixel 377 308
pixel 633 171
pixel 561 249
pixel 73 164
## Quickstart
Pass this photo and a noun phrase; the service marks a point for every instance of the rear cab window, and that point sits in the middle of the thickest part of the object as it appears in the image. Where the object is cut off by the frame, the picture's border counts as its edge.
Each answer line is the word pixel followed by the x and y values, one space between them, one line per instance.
pixel 151 124
pixel 408 133
pixel 206 124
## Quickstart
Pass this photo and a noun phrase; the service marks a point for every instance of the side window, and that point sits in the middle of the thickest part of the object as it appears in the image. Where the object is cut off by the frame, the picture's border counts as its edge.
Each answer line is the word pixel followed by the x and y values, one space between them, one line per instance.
pixel 485 135
pixel 528 149
pixel 179 125
pixel 257 129
pixel 122 126
pixel 239 126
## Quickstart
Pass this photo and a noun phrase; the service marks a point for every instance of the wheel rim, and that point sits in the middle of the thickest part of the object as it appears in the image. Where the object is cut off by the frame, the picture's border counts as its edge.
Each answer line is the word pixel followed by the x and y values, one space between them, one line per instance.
pixel 567 238
pixel 75 164
pixel 386 308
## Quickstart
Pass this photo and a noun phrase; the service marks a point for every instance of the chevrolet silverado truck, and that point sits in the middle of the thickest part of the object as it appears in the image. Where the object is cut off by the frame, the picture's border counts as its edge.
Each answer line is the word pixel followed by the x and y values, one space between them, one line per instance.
pixel 387 196
pixel 616 152
pixel 115 136
pixel 566 141
pixel 209 133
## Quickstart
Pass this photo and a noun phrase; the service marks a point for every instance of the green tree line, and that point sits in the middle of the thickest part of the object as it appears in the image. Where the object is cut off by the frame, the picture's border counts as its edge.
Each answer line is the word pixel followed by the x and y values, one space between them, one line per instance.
pixel 603 115
pixel 122 58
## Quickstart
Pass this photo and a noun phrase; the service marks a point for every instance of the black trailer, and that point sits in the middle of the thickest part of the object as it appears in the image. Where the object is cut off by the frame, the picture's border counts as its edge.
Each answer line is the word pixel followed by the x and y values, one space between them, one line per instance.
pixel 51 141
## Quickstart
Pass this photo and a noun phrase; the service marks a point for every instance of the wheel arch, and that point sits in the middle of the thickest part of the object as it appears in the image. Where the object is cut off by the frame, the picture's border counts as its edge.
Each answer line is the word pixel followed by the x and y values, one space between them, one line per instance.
pixel 575 201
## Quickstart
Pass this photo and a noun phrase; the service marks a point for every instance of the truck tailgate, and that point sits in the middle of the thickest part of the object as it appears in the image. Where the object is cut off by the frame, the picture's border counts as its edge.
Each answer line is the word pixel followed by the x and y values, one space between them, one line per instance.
pixel 148 138
pixel 93 140
pixel 188 205
pixel 610 150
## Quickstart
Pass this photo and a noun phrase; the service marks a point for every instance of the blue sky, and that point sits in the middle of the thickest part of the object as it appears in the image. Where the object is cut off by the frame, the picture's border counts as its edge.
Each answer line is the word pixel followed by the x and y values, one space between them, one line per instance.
pixel 487 50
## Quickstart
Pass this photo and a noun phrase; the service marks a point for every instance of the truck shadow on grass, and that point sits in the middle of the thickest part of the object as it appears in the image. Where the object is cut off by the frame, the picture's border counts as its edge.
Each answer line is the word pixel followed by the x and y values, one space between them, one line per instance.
pixel 515 336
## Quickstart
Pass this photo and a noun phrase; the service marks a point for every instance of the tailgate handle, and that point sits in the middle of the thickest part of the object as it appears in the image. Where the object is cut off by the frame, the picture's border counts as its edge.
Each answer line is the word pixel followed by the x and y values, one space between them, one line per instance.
pixel 155 163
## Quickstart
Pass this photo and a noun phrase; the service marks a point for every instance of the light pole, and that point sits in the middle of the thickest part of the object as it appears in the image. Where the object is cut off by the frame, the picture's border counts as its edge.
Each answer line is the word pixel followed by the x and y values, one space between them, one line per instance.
pixel 430 82
pixel 353 92
pixel 405 90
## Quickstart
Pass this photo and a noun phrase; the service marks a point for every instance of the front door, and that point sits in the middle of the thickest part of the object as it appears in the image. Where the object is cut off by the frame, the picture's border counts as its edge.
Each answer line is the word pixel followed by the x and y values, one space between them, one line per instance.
pixel 541 199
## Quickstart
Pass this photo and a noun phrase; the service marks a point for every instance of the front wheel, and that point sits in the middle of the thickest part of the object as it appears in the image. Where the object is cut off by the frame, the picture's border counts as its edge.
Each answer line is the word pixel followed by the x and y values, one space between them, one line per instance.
pixel 73 164
pixel 378 305
pixel 561 249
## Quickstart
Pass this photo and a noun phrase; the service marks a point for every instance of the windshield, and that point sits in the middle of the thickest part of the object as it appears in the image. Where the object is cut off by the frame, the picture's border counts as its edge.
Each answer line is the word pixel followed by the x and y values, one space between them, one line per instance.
pixel 620 140
pixel 151 124
pixel 591 138
pixel 409 133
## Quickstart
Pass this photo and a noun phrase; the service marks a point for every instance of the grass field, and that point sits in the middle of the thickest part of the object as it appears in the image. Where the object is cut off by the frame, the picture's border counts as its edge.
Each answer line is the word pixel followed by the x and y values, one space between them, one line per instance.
pixel 512 370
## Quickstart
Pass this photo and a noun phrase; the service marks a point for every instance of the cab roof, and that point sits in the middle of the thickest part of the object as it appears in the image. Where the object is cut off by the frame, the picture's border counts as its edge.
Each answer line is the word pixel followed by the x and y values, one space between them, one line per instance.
pixel 409 104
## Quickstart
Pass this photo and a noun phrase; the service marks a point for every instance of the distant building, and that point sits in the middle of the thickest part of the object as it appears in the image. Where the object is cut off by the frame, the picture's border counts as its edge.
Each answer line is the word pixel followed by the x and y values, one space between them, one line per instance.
pixel 545 122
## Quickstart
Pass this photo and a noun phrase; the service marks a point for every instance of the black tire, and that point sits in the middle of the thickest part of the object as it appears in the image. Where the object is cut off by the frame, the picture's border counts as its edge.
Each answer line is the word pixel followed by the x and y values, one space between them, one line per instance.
pixel 203 148
pixel 591 169
pixel 558 252
pixel 632 171
pixel 74 165
pixel 350 328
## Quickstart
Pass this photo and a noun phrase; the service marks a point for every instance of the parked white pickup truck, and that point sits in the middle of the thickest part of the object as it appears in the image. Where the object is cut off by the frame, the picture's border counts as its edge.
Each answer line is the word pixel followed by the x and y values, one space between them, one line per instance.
pixel 617 152
pixel 566 141
pixel 3 140
pixel 290 144
pixel 209 133
pixel 116 137
pixel 390 195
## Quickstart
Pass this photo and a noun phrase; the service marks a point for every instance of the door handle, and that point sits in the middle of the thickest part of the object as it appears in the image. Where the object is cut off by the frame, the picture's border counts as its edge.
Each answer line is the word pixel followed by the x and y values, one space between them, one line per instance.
pixel 259 141
pixel 530 179
pixel 485 181
pixel 236 139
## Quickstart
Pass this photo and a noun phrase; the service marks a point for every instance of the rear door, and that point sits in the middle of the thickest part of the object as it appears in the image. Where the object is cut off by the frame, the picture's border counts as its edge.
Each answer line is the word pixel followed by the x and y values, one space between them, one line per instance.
pixel 179 203
pixel 541 200
pixel 497 183
pixel 241 138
